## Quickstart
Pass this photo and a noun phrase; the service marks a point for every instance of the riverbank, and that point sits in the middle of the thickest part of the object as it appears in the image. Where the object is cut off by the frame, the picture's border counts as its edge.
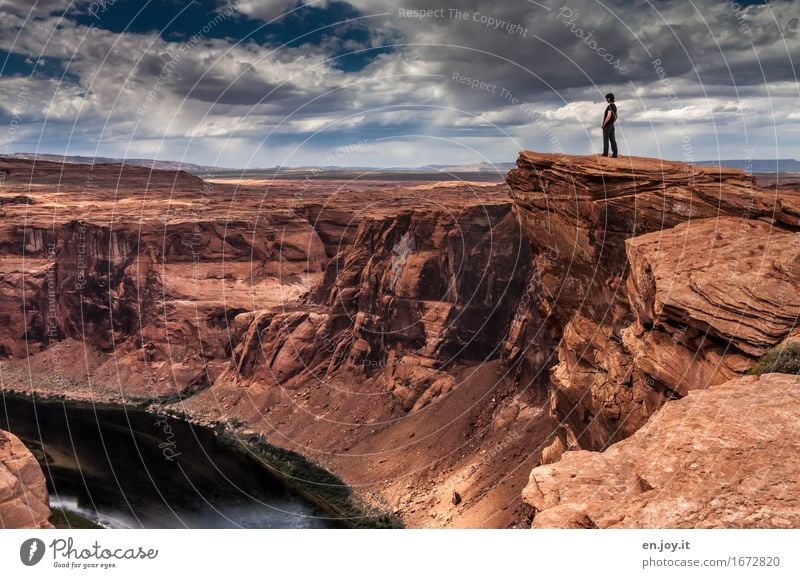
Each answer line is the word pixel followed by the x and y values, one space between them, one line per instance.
pixel 312 482
pixel 63 519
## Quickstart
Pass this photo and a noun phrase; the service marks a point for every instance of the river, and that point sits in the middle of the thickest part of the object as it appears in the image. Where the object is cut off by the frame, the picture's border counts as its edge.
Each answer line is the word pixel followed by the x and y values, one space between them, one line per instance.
pixel 124 468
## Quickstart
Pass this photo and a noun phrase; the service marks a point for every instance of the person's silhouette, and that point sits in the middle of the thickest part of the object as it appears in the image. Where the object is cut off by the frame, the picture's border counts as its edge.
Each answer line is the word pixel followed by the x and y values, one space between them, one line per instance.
pixel 609 118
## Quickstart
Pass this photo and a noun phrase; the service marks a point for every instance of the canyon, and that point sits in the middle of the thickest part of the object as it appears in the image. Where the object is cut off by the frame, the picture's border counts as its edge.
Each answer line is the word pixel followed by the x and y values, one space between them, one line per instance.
pixel 558 350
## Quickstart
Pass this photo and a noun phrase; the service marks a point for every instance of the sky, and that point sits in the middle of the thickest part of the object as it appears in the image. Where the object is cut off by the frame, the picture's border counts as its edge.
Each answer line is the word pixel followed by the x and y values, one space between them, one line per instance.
pixel 262 83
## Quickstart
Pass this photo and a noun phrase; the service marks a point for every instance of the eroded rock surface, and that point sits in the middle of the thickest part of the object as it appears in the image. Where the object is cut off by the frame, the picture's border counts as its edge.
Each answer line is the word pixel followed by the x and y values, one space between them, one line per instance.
pixel 23 492
pixel 391 371
pixel 653 278
pixel 359 323
pixel 725 457
pixel 730 279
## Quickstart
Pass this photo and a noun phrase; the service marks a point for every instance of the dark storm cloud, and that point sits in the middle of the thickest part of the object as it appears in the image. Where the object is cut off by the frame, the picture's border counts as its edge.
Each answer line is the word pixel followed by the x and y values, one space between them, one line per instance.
pixel 247 89
pixel 565 44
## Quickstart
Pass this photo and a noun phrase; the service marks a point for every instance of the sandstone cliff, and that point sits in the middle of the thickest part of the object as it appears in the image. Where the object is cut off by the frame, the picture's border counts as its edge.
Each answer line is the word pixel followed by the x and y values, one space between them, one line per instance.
pixel 656 278
pixel 391 372
pixel 360 324
pixel 659 279
pixel 23 493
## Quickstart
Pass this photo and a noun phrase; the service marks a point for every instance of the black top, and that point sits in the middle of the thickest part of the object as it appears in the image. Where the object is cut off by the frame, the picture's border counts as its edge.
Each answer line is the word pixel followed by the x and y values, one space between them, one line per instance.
pixel 613 108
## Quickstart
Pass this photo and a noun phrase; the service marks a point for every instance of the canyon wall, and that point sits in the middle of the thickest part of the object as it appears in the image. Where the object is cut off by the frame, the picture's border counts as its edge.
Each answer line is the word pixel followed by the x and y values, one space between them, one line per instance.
pixel 392 371
pixel 361 324
pixel 658 279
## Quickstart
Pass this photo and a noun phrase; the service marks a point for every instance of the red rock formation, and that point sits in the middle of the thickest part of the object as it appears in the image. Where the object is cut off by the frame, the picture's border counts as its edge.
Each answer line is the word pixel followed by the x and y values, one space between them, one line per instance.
pixel 358 323
pixel 146 274
pixel 720 458
pixel 728 279
pixel 396 358
pixel 419 340
pixel 653 278
pixel 23 493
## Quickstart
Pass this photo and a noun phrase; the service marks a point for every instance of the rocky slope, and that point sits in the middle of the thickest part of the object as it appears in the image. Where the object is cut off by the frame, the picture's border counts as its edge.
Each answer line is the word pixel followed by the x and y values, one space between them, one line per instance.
pixel 23 493
pixel 724 457
pixel 395 359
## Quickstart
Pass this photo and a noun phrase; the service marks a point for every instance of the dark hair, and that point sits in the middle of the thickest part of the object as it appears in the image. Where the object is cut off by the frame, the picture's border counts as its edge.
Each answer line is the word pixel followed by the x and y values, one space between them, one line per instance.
pixel 611 96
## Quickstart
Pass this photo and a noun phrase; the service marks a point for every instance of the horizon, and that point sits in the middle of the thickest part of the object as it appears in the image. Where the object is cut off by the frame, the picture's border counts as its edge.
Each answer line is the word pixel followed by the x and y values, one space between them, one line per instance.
pixel 282 83
pixel 373 167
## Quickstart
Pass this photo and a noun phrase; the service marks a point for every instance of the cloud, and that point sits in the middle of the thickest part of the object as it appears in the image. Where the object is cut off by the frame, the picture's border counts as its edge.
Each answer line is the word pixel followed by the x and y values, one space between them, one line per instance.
pixel 269 10
pixel 725 75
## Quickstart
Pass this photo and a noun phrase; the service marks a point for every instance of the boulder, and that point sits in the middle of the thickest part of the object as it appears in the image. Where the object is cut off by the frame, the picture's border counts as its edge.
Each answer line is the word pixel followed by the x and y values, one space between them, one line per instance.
pixel 724 457
pixel 23 492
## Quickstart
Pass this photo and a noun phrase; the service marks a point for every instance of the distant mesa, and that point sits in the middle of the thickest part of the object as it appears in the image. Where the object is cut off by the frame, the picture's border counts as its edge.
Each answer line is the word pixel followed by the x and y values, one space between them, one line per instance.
pixel 500 168
pixel 89 160
pixel 757 165
pixel 482 167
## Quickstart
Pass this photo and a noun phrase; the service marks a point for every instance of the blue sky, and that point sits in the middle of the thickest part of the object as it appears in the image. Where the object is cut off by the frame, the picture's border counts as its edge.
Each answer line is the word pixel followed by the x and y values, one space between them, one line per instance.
pixel 259 83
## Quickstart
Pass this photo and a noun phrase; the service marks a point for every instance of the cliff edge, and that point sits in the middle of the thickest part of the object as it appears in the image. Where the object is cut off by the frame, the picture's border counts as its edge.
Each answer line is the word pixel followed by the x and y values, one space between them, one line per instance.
pixel 658 279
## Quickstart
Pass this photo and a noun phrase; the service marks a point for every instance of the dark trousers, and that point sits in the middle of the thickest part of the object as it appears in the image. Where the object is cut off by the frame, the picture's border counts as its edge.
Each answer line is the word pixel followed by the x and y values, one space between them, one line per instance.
pixel 608 137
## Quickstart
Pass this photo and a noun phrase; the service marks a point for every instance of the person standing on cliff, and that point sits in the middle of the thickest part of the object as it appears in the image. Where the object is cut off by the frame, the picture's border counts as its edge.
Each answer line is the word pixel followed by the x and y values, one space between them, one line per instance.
pixel 609 118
